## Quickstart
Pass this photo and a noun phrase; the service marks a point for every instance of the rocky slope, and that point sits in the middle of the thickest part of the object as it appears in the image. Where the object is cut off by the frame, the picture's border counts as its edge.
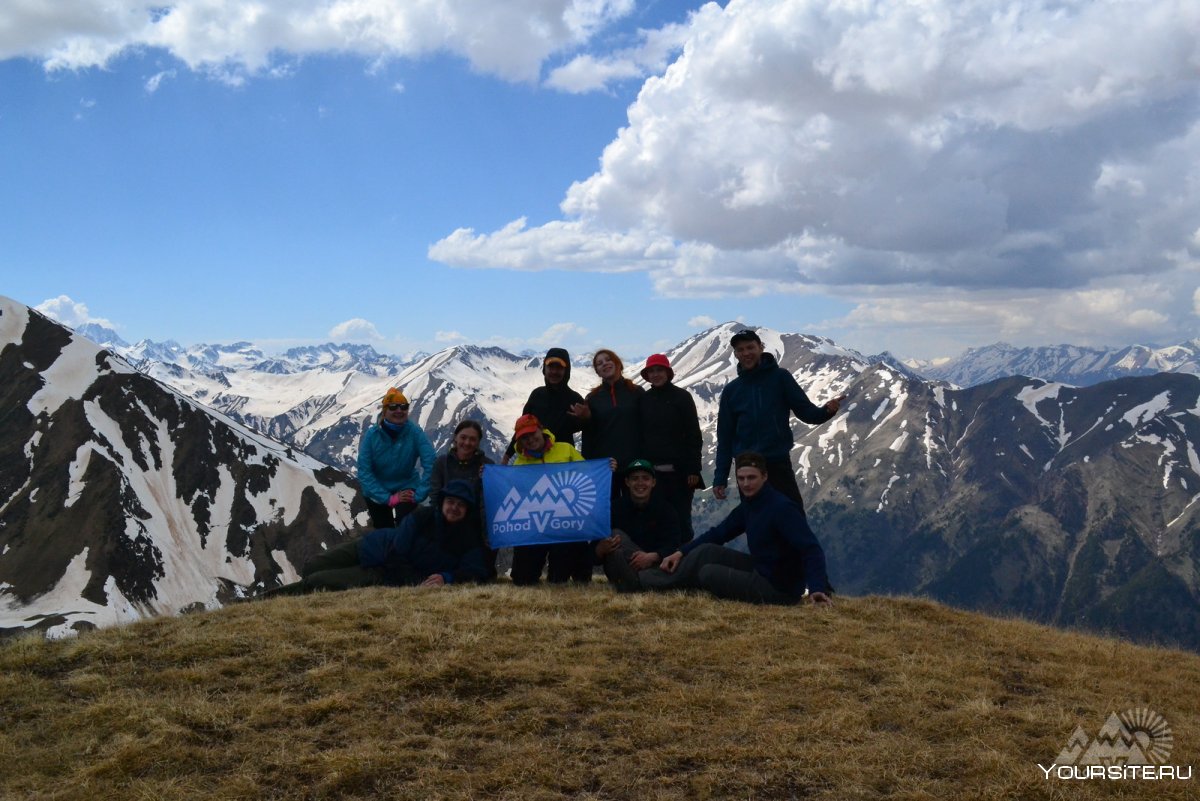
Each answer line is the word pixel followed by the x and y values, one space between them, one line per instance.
pixel 121 498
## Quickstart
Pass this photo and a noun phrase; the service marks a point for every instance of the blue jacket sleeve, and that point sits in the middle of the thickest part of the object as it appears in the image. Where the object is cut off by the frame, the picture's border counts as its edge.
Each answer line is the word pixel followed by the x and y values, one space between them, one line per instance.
pixel 367 479
pixel 428 456
pixel 799 403
pixel 794 526
pixel 733 525
pixel 472 566
pixel 388 545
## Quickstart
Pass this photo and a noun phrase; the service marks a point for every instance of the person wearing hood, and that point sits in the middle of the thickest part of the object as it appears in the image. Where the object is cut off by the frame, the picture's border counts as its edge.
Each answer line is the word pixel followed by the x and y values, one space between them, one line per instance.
pixel 671 439
pixel 551 403
pixel 435 546
pixel 568 560
pixel 754 415
pixel 387 463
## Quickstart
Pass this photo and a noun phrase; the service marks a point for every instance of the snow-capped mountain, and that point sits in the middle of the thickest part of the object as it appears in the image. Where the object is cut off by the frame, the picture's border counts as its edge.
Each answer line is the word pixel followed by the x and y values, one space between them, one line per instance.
pixel 120 497
pixel 1068 364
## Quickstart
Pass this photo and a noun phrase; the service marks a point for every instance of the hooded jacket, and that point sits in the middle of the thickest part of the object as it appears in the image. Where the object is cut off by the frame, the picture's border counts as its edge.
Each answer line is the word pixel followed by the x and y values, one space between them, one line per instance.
pixel 784 549
pixel 550 403
pixel 425 544
pixel 755 415
pixel 555 453
pixel 387 462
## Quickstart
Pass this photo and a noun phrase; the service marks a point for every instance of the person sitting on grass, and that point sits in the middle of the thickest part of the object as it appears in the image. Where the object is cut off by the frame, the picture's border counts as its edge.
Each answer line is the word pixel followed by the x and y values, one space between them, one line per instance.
pixel 784 557
pixel 645 527
pixel 434 546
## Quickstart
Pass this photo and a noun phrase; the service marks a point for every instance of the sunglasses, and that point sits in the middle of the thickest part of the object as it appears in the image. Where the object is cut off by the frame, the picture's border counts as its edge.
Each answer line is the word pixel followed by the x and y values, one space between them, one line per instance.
pixel 391 407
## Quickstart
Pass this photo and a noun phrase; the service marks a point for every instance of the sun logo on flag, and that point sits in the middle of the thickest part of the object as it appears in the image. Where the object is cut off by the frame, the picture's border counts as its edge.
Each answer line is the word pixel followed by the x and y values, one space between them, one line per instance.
pixel 577 491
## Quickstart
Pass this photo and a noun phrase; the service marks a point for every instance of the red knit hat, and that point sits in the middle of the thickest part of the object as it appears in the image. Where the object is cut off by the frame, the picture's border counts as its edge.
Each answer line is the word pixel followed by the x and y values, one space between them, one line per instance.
pixel 658 360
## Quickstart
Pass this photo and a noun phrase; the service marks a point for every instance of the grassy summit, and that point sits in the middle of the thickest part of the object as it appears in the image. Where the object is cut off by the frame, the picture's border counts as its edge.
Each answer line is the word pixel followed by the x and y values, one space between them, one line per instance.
pixel 496 692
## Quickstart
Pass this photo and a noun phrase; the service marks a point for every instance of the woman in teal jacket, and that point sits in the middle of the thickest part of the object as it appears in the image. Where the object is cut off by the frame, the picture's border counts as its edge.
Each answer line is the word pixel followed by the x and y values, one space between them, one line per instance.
pixel 387 463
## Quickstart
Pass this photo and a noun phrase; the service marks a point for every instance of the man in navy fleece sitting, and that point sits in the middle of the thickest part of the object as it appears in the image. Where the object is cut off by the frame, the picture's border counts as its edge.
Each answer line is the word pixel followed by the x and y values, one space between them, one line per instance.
pixel 432 547
pixel 784 557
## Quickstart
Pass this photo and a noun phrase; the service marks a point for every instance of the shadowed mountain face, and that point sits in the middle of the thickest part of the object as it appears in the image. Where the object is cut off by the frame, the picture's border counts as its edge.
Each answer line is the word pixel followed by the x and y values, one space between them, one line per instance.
pixel 120 498
pixel 1076 506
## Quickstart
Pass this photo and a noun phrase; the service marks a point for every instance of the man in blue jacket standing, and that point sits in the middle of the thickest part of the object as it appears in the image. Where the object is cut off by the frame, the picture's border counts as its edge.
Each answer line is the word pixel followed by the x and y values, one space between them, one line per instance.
pixel 387 463
pixel 755 415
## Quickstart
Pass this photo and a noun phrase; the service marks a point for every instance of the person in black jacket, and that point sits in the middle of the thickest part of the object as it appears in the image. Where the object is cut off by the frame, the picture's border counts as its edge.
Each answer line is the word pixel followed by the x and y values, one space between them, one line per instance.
pixel 611 429
pixel 645 529
pixel 671 439
pixel 552 402
pixel 433 546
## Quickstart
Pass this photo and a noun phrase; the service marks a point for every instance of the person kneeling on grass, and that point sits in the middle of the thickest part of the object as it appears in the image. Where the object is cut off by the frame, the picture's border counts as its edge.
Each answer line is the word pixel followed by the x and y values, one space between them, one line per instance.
pixel 784 557
pixel 645 528
pixel 432 547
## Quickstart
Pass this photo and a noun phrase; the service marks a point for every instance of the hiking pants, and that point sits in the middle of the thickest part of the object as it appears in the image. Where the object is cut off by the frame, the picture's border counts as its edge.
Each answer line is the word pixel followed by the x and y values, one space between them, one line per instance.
pixel 724 572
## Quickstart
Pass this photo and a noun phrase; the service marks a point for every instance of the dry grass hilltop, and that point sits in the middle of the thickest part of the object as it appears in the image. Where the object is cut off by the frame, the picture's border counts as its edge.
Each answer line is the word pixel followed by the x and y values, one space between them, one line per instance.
pixel 497 692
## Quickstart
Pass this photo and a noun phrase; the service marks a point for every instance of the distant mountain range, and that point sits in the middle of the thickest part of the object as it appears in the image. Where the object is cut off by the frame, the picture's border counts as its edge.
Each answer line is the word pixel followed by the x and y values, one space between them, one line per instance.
pixel 1070 505
pixel 1067 364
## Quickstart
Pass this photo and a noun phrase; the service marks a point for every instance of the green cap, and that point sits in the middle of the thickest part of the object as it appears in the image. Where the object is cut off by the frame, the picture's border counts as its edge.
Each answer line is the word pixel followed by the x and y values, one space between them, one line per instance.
pixel 639 464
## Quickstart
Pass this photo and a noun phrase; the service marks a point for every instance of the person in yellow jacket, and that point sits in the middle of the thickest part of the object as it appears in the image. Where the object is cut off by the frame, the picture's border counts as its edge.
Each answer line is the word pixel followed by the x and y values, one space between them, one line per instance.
pixel 568 560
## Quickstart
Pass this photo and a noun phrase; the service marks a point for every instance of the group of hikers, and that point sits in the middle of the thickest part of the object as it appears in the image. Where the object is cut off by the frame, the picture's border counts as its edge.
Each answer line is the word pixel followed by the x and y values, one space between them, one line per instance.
pixel 651 437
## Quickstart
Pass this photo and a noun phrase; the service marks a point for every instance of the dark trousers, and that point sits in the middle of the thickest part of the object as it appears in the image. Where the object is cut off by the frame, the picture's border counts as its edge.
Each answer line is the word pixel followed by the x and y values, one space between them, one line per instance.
pixel 782 476
pixel 674 489
pixel 335 569
pixel 384 516
pixel 617 568
pixel 568 560
pixel 724 572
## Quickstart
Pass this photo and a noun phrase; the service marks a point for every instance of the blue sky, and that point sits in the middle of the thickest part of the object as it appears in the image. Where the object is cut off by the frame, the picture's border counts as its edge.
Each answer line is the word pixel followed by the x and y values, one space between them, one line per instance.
pixel 603 172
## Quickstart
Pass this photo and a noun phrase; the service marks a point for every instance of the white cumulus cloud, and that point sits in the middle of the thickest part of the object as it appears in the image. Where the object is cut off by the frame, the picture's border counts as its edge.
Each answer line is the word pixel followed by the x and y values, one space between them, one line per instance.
pixel 702 321
pixel 70 312
pixel 233 38
pixel 355 330
pixel 866 149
